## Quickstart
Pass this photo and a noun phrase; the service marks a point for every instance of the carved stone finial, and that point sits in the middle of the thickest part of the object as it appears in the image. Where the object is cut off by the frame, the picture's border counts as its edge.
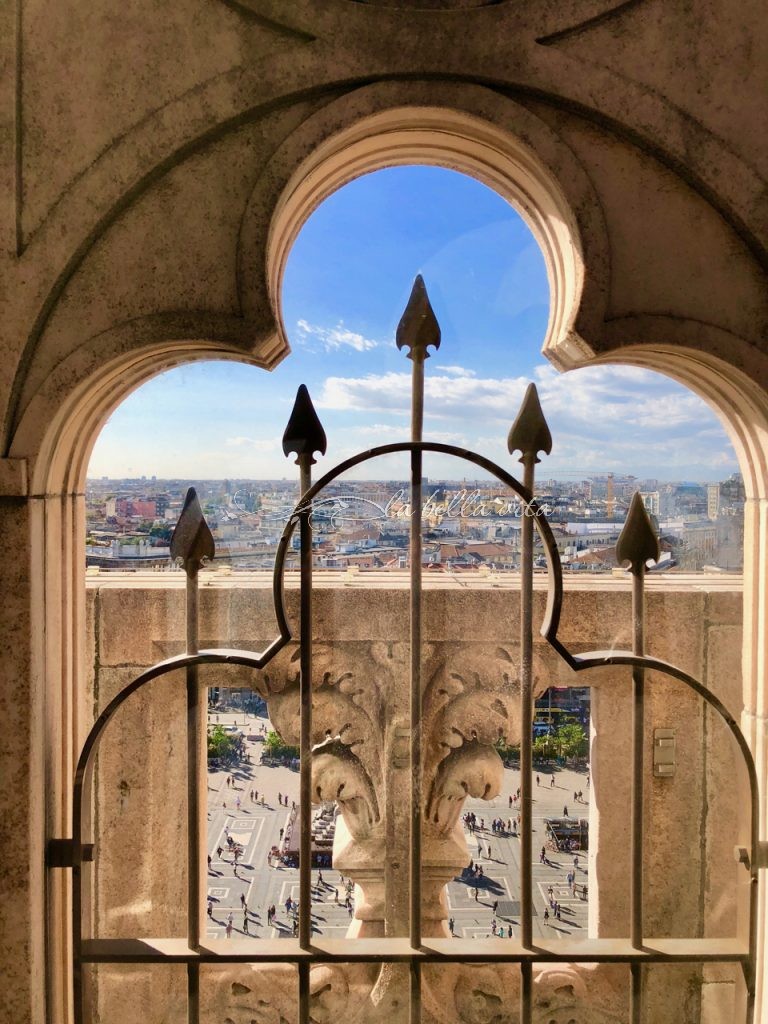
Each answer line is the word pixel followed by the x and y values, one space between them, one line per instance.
pixel 637 543
pixel 530 434
pixel 192 541
pixel 418 327
pixel 304 434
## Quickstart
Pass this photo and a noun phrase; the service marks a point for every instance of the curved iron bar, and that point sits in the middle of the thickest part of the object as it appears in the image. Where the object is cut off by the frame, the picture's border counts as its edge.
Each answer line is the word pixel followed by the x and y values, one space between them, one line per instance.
pixel 596 659
pixel 554 595
pixel 217 656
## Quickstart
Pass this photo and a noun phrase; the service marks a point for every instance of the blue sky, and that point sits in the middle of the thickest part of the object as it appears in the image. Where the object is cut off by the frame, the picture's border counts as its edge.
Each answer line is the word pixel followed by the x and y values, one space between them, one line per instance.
pixel 347 281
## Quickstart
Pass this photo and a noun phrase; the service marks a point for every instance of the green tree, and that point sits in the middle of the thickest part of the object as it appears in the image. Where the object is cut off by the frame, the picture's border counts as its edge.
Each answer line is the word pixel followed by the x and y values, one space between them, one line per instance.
pixel 220 744
pixel 274 746
pixel 544 747
pixel 571 740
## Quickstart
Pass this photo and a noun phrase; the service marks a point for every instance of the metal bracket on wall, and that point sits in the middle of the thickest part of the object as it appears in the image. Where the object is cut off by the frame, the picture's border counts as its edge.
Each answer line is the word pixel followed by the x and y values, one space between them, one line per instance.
pixel 63 853
pixel 663 753
pixel 741 855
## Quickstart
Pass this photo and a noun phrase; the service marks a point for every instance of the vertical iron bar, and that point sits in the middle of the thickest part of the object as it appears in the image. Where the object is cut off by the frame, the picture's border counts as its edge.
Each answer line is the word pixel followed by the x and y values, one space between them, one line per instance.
pixel 417 331
pixel 637 544
pixel 305 753
pixel 417 424
pixel 526 727
pixel 194 760
pixel 636 838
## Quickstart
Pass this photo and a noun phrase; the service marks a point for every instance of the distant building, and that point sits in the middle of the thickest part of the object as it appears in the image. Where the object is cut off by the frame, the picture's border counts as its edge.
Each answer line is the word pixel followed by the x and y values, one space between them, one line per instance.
pixel 713 501
pixel 652 502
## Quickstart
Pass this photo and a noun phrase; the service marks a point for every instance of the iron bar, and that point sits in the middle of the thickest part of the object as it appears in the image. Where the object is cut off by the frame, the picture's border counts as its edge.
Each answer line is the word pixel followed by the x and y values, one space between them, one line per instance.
pixel 529 435
pixel 195 734
pixel 417 330
pixel 437 950
pixel 304 436
pixel 526 730
pixel 637 544
pixel 636 829
pixel 305 743
pixel 192 544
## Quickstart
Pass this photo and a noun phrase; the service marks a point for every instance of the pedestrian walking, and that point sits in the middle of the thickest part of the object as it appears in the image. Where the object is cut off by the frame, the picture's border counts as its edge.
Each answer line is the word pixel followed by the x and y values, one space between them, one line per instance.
pixel 538 780
pixel 565 811
pixel 242 899
pixel 552 782
pixel 218 852
pixel 546 916
pixel 209 862
pixel 228 929
pixel 210 909
pixel 451 925
pixel 501 932
pixel 245 924
pixel 237 803
pixel 495 906
pixel 510 798
pixel 543 855
pixel 477 894
pixel 489 851
pixel 230 917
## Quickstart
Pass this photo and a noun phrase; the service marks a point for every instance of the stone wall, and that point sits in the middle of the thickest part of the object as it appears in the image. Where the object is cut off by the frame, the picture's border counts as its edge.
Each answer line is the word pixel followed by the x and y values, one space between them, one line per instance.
pixel 470 680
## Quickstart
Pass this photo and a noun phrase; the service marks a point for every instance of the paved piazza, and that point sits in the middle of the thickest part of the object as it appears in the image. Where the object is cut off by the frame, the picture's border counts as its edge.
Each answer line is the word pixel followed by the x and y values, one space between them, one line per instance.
pixel 256 828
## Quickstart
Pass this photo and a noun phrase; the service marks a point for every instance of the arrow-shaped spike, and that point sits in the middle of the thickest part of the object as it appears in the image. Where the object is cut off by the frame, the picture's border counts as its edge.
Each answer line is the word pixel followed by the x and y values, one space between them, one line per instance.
pixel 637 543
pixel 530 434
pixel 418 325
pixel 304 434
pixel 192 541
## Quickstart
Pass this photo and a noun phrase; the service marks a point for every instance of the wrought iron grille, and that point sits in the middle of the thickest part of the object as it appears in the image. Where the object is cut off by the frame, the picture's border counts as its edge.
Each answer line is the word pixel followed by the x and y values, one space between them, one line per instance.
pixel 192 545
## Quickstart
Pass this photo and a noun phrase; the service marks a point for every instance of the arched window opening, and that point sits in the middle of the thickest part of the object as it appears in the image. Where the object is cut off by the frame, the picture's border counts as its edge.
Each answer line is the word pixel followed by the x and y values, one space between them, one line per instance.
pixel 617 431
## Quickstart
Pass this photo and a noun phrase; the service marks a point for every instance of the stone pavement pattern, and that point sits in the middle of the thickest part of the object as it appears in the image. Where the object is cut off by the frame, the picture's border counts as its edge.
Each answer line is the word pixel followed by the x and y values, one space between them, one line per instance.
pixel 256 827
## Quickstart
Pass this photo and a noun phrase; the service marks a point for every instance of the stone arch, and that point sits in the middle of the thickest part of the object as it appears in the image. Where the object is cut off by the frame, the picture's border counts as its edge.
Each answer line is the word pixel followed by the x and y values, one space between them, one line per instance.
pixel 469 129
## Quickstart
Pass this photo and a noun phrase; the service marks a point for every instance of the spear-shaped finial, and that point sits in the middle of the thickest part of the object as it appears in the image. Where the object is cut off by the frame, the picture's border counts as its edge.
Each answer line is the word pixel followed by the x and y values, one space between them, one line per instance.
pixel 530 434
pixel 637 543
pixel 418 325
pixel 192 541
pixel 304 434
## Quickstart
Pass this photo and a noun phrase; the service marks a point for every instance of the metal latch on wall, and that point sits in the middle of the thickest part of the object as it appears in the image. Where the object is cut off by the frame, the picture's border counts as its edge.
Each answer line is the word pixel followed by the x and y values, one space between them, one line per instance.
pixel 741 855
pixel 663 753
pixel 62 853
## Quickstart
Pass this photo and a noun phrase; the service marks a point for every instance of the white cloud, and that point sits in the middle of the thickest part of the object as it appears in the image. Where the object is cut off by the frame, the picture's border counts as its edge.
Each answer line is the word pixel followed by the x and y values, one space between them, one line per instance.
pixel 458 398
pixel 253 443
pixel 603 419
pixel 458 371
pixel 332 339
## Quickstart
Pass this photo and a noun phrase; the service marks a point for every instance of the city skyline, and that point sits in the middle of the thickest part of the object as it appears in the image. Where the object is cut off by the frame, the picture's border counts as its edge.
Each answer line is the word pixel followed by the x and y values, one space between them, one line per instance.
pixel 347 281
